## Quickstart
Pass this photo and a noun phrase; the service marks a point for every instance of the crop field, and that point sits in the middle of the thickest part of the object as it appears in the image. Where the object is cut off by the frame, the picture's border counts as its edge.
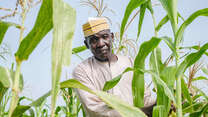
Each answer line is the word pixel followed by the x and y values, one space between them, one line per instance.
pixel 41 41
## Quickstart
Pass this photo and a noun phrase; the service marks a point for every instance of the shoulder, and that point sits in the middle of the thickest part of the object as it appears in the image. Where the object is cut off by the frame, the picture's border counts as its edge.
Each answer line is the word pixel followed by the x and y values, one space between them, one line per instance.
pixel 82 67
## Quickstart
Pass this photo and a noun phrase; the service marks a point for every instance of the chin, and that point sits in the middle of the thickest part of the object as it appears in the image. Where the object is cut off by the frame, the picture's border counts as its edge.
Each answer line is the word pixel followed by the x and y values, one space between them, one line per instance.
pixel 102 58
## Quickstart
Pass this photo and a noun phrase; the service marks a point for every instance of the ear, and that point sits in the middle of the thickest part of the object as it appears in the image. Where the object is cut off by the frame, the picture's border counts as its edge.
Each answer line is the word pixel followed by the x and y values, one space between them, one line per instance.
pixel 112 36
pixel 86 44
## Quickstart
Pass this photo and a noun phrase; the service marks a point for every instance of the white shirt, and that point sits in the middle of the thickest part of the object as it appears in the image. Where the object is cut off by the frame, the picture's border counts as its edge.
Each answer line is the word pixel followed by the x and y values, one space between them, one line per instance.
pixel 93 74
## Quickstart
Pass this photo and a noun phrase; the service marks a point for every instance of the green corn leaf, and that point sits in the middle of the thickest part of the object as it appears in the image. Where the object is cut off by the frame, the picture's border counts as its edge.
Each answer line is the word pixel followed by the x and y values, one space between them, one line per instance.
pixel 185 91
pixel 149 7
pixel 180 32
pixel 190 108
pixel 199 113
pixel 133 4
pixel 170 44
pixel 205 70
pixel 190 60
pixel 5 77
pixel 79 49
pixel 139 63
pixel 123 108
pixel 141 18
pixel 199 78
pixel 3 90
pixel 64 20
pixel 32 113
pixel 201 93
pixel 196 47
pixel 19 110
pixel 171 8
pixel 162 22
pixel 158 60
pixel 166 74
pixel 40 100
pixel 165 87
pixel 111 83
pixel 4 27
pixel 158 111
pixel 4 81
pixel 155 63
pixel 42 26
pixel 180 16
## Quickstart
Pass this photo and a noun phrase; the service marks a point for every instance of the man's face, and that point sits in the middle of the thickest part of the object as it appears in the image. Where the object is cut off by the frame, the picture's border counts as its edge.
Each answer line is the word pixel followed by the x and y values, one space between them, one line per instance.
pixel 100 44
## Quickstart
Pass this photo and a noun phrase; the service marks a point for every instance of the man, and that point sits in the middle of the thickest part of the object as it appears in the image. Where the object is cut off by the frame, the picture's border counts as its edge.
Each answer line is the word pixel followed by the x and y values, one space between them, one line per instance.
pixel 101 67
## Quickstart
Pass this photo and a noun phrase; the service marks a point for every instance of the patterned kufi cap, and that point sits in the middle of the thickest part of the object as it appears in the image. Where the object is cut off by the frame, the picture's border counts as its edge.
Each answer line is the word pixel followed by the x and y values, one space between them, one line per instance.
pixel 95 25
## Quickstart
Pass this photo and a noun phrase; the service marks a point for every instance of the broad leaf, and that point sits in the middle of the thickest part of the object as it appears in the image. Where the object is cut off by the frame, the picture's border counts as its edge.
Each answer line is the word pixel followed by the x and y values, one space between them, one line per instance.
pixel 165 20
pixel 4 27
pixel 138 77
pixel 199 78
pixel 19 110
pixel 158 111
pixel 5 81
pixel 192 107
pixel 141 18
pixel 196 47
pixel 149 7
pixel 190 60
pixel 185 91
pixel 3 90
pixel 201 93
pixel 40 100
pixel 64 17
pixel 199 113
pixel 133 4
pixel 42 26
pixel 5 77
pixel 123 108
pixel 171 8
pixel 170 44
pixel 180 32
pixel 111 83
pixel 205 70
pixel 155 62
pixel 165 87
pixel 78 49
pixel 162 22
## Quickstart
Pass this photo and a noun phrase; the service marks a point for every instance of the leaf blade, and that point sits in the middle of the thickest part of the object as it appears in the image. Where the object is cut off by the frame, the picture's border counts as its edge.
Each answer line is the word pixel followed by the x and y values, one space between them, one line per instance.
pixel 138 77
pixel 42 26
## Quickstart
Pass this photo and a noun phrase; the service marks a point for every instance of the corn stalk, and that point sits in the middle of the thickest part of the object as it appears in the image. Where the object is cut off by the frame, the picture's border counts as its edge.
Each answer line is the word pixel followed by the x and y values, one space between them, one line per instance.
pixel 15 86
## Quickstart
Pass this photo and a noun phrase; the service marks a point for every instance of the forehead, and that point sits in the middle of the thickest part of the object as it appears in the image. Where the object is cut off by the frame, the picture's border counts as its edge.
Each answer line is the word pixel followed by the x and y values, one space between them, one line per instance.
pixel 107 31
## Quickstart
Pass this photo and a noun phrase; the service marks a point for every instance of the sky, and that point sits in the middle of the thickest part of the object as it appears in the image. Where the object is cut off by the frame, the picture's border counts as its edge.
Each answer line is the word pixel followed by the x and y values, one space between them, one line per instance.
pixel 37 69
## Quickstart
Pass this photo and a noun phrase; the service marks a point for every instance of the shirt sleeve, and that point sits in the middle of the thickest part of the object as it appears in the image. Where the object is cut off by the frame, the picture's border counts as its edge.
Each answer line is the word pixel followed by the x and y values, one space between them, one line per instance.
pixel 93 106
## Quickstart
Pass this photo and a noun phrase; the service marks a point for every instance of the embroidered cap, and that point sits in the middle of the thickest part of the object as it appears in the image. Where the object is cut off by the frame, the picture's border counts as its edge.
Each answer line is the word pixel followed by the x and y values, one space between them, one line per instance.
pixel 95 25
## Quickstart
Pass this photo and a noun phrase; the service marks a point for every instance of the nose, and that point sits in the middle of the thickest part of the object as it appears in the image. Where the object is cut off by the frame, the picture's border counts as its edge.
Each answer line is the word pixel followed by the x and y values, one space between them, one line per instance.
pixel 100 42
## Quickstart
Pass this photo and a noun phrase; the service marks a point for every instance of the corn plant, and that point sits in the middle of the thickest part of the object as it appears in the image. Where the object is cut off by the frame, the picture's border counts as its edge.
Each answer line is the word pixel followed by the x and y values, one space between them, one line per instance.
pixel 164 77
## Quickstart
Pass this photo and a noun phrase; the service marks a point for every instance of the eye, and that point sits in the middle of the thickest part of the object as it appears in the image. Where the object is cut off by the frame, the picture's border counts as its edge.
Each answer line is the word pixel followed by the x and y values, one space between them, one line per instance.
pixel 93 39
pixel 105 36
